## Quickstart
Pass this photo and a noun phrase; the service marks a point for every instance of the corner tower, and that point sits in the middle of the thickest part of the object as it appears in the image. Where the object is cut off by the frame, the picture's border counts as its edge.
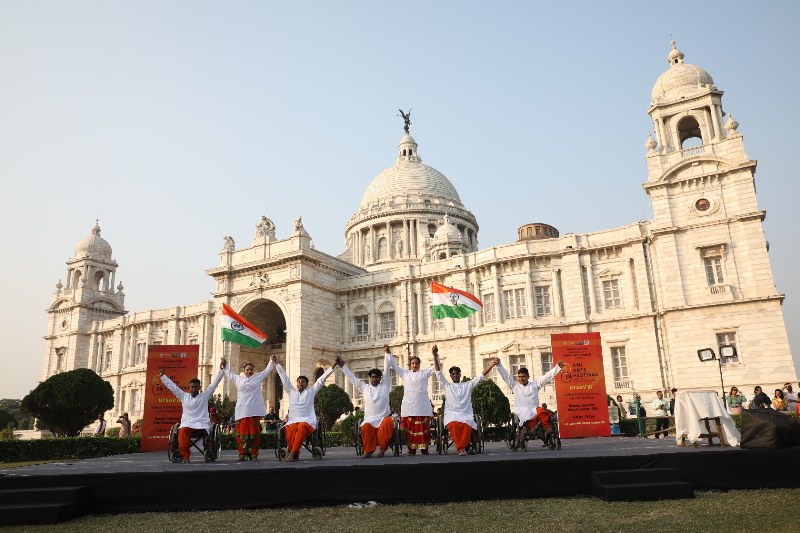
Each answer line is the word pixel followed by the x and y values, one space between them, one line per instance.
pixel 706 241
pixel 89 295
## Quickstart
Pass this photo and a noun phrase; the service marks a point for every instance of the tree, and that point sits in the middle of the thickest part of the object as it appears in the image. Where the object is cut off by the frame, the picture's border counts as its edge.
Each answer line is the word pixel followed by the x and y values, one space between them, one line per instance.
pixel 490 403
pixel 12 407
pixel 69 401
pixel 396 398
pixel 7 420
pixel 225 406
pixel 331 403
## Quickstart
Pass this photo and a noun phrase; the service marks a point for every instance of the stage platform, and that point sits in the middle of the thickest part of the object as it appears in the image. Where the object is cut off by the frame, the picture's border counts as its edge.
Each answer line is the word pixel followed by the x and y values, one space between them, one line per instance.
pixel 149 482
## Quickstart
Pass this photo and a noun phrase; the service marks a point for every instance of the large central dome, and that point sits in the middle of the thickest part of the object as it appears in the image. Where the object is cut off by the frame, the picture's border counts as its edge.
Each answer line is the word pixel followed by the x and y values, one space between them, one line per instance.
pixel 401 211
pixel 680 79
pixel 409 176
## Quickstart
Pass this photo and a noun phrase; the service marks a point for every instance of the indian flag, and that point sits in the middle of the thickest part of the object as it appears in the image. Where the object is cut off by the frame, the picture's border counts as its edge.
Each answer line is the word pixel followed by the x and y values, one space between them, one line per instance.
pixel 236 328
pixel 452 302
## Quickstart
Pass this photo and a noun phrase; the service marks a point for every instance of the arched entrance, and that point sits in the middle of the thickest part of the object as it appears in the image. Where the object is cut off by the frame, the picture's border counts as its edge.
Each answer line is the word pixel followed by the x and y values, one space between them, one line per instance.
pixel 268 317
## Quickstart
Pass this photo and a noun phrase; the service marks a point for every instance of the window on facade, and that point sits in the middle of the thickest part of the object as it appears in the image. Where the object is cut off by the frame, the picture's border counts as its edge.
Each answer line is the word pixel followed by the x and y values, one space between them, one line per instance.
pixel 515 362
pixel 713 267
pixel 362 325
pixel 363 376
pixel 611 294
pixel 107 360
pixel 493 372
pixel 727 338
pixel 122 403
pixel 387 325
pixel 192 339
pixel 438 323
pixel 542 295
pixel 436 388
pixel 141 353
pixel 383 248
pixel 619 363
pixel 61 357
pixel 546 359
pixel 134 407
pixel 488 308
pixel 514 303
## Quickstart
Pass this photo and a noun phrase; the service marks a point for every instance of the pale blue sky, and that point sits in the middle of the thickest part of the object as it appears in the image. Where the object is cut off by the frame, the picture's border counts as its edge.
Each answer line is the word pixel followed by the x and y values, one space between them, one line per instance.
pixel 179 122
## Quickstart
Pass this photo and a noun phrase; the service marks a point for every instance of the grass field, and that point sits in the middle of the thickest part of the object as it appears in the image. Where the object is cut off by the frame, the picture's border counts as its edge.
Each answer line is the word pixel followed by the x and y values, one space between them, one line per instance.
pixel 755 511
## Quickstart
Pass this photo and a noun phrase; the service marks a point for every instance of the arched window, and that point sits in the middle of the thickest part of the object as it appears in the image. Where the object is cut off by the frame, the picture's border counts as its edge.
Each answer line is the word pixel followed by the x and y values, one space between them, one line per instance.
pixel 689 132
pixel 431 230
pixel 383 248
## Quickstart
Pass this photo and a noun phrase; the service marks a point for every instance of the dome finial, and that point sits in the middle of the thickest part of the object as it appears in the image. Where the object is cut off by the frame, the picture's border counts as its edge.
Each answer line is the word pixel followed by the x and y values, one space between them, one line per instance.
pixel 406 119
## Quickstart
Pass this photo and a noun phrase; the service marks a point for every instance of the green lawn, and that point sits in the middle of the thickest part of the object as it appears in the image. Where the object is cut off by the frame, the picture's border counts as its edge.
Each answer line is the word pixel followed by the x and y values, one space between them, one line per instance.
pixel 761 511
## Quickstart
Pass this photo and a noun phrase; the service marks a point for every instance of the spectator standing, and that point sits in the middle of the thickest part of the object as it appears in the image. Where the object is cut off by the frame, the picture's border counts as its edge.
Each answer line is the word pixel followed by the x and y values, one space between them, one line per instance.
pixel 271 419
pixel 672 395
pixel 760 399
pixel 790 397
pixel 735 400
pixel 778 402
pixel 124 425
pixel 623 413
pixel 100 429
pixel 660 410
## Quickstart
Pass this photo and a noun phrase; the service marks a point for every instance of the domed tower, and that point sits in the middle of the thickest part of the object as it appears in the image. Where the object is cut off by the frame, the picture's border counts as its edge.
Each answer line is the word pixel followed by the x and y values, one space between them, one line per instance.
pixel 401 211
pixel 447 242
pixel 89 295
pixel 686 107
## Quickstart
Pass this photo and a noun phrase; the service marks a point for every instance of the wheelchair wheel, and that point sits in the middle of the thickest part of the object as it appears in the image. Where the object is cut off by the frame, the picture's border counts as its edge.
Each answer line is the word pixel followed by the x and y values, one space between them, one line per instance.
pixel 477 435
pixel 213 445
pixel 281 449
pixel 397 436
pixel 172 448
pixel 282 453
pixel 317 453
pixel 511 432
pixel 357 436
pixel 441 437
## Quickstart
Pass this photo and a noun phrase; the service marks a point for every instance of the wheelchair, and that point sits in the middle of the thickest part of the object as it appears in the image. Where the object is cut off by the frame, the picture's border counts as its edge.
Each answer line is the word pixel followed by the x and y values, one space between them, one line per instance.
pixel 314 443
pixel 395 445
pixel 211 442
pixel 552 441
pixel 444 442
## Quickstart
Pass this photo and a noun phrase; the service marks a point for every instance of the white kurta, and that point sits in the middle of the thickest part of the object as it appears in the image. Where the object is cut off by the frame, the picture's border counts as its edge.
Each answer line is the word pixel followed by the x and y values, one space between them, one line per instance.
pixel 376 399
pixel 458 400
pixel 249 401
pixel 195 409
pixel 301 404
pixel 526 399
pixel 415 390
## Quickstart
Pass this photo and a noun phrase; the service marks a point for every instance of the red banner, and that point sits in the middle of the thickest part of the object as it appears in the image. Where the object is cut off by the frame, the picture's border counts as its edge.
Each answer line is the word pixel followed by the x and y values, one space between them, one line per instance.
pixel 161 408
pixel 580 386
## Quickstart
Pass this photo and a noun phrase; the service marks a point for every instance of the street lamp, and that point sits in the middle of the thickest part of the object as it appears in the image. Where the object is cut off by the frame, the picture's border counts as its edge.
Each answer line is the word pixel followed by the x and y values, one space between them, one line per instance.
pixel 726 351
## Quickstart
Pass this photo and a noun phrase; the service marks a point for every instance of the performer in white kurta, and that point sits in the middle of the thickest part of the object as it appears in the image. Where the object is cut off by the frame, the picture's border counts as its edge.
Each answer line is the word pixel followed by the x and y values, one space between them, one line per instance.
pixel 459 418
pixel 249 408
pixel 378 425
pixel 526 395
pixel 195 407
pixel 416 409
pixel 302 417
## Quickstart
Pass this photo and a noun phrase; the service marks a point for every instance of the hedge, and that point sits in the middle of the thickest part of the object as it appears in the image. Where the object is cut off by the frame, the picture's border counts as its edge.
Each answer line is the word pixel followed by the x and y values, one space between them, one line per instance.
pixel 66 448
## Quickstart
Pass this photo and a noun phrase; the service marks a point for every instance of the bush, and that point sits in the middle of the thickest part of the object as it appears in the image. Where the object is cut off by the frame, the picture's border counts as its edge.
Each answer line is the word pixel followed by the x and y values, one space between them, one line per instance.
pixel 66 448
pixel 332 402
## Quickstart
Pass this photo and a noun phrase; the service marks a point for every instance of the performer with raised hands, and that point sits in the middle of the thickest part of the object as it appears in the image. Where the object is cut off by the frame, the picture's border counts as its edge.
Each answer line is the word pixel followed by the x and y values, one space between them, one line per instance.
pixel 416 407
pixel 459 418
pixel 378 424
pixel 249 408
pixel 302 420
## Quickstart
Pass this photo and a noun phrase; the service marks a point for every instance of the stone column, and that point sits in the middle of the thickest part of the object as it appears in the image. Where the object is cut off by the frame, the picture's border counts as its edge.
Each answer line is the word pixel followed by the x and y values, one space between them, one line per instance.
pixel 498 297
pixel 556 286
pixel 716 118
pixel 529 288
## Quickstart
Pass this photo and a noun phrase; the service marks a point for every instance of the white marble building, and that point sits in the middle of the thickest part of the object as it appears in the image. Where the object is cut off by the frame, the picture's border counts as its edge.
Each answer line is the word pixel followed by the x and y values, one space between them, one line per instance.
pixel 696 275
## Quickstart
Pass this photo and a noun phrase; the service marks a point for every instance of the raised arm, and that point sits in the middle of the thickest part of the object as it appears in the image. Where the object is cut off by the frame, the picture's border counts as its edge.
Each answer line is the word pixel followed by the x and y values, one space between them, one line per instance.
pixel 321 381
pixel 287 385
pixel 493 363
pixel 171 385
pixel 504 374
pixel 265 373
pixel 435 352
pixel 550 375
pixel 357 383
pixel 214 382
pixel 393 363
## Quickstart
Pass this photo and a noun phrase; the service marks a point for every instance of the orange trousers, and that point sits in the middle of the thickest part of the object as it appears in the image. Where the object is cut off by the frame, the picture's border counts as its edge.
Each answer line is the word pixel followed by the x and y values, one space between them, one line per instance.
pixel 461 434
pixel 371 437
pixel 184 442
pixel 296 435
